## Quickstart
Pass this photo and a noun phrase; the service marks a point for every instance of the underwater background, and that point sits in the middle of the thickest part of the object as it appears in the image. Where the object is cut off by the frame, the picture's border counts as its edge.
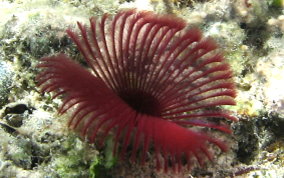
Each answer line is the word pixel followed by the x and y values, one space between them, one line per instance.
pixel 35 140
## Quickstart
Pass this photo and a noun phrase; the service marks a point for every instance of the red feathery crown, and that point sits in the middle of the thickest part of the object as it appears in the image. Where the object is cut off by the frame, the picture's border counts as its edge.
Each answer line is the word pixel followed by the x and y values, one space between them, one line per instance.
pixel 152 79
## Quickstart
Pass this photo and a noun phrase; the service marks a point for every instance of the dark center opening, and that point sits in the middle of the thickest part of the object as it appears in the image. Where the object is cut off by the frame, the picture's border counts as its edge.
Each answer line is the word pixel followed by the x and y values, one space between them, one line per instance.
pixel 142 102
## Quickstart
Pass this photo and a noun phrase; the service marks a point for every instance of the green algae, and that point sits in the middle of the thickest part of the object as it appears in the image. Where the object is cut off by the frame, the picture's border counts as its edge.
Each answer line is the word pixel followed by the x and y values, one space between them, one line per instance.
pixel 277 3
pixel 74 159
pixel 102 164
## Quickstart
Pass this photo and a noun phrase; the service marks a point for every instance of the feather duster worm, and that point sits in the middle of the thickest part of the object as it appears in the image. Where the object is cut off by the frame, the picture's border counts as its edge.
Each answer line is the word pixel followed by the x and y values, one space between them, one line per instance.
pixel 152 79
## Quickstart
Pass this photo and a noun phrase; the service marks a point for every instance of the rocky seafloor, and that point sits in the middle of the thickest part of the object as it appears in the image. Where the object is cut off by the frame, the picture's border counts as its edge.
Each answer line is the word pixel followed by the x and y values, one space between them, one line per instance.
pixel 35 140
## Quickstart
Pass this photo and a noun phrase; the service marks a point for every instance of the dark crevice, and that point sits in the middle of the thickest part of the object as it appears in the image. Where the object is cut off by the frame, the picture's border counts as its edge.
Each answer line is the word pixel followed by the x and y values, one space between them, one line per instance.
pixel 141 102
